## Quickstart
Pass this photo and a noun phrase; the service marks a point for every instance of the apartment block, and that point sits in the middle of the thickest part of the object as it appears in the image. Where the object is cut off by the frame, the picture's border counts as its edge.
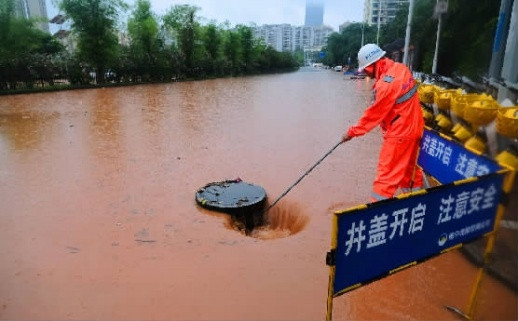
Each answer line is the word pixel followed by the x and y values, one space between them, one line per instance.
pixel 382 10
pixel 33 9
pixel 285 37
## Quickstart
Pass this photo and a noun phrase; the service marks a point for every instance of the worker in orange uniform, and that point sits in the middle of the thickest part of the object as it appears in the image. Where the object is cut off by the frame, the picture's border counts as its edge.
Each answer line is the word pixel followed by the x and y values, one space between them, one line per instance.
pixel 397 110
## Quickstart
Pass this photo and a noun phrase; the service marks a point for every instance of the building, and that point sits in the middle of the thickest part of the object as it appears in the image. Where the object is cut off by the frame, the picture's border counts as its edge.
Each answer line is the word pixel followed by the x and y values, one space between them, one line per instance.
pixel 285 37
pixel 382 10
pixel 314 13
pixel 33 9
pixel 64 35
pixel 310 37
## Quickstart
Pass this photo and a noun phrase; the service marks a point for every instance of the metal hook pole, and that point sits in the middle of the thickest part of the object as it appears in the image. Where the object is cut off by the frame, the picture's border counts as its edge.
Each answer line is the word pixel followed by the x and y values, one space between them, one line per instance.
pixel 305 174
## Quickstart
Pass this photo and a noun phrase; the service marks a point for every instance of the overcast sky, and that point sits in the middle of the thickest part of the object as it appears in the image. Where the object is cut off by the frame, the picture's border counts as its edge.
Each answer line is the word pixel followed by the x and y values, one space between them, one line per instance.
pixel 259 12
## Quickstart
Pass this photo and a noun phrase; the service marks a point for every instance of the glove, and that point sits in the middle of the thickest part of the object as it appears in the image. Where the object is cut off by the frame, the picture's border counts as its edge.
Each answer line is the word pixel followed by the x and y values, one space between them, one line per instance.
pixel 346 137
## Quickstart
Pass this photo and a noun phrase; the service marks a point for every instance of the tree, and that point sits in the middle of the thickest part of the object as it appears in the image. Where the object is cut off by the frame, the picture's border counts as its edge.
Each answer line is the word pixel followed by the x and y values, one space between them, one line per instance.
pixel 26 53
pixel 181 20
pixel 335 49
pixel 396 29
pixel 94 22
pixel 341 46
pixel 467 37
pixel 144 39
pixel 298 55
pixel 212 41
pixel 212 45
pixel 423 34
pixel 247 46
pixel 6 13
pixel 232 51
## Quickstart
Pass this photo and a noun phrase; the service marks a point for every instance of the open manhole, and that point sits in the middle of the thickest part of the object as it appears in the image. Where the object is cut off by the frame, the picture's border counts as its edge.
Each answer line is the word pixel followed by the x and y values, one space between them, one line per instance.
pixel 244 201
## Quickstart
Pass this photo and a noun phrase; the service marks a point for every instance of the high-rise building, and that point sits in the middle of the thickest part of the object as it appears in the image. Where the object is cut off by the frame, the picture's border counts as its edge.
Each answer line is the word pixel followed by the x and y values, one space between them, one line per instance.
pixel 314 13
pixel 285 37
pixel 384 10
pixel 34 9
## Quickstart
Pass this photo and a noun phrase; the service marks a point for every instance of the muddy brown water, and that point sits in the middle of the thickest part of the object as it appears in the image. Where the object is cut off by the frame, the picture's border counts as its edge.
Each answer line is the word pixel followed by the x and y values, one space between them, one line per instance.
pixel 98 218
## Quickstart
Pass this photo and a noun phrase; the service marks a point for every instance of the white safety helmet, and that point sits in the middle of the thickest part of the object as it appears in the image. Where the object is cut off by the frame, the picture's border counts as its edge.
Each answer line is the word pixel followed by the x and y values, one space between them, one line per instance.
pixel 369 54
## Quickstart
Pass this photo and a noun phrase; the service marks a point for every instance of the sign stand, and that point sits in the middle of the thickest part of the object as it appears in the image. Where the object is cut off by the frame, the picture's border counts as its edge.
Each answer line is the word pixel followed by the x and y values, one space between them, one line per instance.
pixel 372 241
pixel 330 260
pixel 470 314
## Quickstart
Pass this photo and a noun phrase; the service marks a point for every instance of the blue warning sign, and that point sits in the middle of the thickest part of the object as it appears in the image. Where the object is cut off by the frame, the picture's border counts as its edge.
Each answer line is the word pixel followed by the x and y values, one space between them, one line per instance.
pixel 375 240
pixel 448 161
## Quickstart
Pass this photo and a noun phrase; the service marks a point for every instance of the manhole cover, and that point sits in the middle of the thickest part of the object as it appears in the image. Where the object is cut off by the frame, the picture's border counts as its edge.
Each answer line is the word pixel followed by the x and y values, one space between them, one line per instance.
pixel 231 196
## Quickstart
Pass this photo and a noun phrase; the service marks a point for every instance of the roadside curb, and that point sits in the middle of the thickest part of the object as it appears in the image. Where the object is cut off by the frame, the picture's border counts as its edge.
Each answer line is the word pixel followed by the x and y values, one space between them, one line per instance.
pixel 502 262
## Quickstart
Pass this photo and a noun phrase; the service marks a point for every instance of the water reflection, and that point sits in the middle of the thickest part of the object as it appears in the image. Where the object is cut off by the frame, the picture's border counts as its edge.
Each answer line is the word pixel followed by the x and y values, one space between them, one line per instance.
pixel 152 105
pixel 26 129
pixel 25 121
pixel 106 123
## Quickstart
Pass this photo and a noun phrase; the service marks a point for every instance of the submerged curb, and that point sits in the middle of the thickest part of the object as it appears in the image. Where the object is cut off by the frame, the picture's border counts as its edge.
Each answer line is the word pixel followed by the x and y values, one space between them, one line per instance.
pixel 502 262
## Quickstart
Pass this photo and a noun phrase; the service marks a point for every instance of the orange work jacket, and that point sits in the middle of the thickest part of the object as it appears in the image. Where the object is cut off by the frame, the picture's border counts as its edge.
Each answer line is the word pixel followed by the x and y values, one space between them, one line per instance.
pixel 396 105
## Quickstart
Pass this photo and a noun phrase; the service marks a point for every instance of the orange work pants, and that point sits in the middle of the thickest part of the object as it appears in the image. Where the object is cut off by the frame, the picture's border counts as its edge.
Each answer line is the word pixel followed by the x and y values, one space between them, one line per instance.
pixel 397 168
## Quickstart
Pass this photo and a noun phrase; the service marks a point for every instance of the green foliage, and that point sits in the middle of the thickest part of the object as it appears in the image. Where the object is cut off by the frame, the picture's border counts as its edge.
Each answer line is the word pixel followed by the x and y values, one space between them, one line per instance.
pixel 465 40
pixel 212 41
pixel 144 48
pixel 170 47
pixel 232 51
pixel 423 34
pixel 143 28
pixel 177 45
pixel 211 52
pixel 94 22
pixel 469 34
pixel 298 55
pixel 341 46
pixel 26 53
pixel 247 46
pixel 6 12
pixel 397 28
pixel 181 20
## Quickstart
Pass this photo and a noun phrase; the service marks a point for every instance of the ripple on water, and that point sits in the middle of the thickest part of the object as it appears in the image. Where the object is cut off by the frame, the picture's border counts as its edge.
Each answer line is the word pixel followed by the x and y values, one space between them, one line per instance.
pixel 282 220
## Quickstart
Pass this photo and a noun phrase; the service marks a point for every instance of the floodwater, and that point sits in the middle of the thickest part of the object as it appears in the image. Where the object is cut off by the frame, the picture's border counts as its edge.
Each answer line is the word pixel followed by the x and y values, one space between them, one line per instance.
pixel 98 218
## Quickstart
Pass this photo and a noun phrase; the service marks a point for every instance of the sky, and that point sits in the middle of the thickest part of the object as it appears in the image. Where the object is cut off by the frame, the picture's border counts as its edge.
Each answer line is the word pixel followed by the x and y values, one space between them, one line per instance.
pixel 259 12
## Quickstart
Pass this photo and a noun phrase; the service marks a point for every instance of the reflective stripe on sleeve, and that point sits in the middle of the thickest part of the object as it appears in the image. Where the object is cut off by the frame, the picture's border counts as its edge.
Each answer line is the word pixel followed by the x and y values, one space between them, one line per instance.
pixel 409 94
pixel 378 196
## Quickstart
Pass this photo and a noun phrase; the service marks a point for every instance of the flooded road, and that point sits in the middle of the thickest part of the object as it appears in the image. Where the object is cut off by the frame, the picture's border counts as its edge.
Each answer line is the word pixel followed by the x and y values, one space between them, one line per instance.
pixel 98 218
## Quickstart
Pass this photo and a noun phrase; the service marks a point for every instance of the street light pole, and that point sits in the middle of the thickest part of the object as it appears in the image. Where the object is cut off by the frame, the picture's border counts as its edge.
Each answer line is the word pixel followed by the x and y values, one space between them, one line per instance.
pixel 440 8
pixel 434 65
pixel 407 36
